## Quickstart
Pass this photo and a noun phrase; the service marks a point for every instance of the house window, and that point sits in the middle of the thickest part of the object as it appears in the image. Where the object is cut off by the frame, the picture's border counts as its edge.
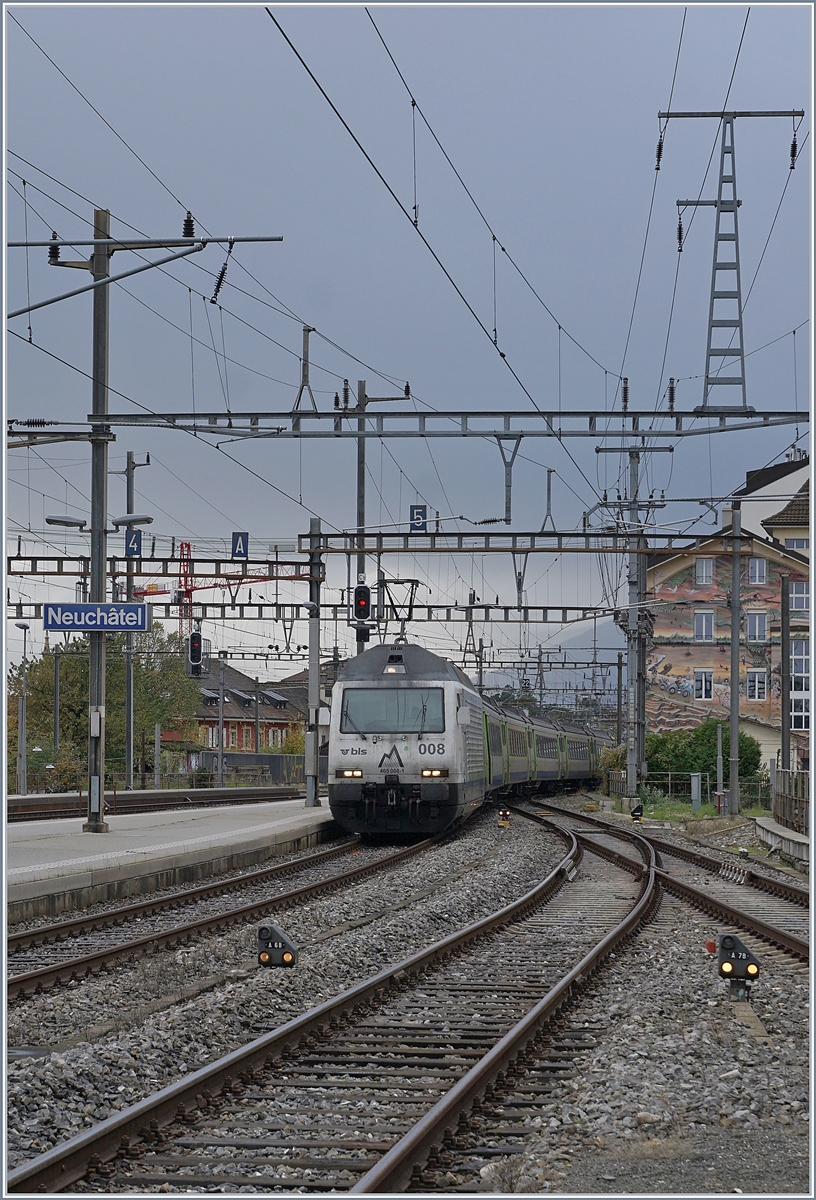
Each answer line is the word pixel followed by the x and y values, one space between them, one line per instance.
pixel 757 570
pixel 800 596
pixel 756 685
pixel 232 739
pixel 247 737
pixel 704 570
pixel 273 739
pixel 704 627
pixel 703 685
pixel 800 665
pixel 800 712
pixel 797 543
pixel 212 737
pixel 757 626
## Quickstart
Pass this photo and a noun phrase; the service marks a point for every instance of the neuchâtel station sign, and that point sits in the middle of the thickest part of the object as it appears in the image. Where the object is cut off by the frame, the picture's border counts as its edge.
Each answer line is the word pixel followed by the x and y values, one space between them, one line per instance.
pixel 98 618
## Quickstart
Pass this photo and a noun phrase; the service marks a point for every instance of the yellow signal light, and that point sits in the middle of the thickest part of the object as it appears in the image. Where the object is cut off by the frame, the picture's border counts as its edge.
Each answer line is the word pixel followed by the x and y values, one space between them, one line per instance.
pixel 752 969
pixel 726 968
pixel 287 957
pixel 263 956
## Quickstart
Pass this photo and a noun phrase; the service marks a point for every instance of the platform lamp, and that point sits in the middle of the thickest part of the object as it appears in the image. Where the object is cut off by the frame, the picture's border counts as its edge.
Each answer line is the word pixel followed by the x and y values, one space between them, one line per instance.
pixel 22 751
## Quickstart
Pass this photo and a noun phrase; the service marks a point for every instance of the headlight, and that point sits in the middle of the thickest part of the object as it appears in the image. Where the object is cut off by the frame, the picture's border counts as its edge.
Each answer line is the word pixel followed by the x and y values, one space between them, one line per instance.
pixel 348 774
pixel 434 773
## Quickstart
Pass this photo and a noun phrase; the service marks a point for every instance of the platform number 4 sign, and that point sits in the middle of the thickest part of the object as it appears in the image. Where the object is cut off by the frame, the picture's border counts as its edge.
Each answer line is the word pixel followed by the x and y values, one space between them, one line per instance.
pixel 240 545
pixel 133 543
pixel 419 518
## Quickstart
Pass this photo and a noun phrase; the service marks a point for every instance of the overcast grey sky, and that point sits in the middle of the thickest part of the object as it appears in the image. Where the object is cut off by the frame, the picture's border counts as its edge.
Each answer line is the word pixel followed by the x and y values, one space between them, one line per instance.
pixel 549 114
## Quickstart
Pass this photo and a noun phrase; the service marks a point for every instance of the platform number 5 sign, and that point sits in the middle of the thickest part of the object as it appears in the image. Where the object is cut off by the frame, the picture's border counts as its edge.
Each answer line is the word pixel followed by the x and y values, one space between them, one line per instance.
pixel 419 518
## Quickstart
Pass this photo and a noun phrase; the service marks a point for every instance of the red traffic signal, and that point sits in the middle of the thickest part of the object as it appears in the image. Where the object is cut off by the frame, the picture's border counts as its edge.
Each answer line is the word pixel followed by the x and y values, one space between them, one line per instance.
pixel 195 649
pixel 362 603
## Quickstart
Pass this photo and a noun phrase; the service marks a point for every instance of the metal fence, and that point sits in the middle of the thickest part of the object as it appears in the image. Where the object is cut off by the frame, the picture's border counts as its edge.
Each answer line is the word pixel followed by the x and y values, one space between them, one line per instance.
pixel 264 770
pixel 791 800
pixel 676 785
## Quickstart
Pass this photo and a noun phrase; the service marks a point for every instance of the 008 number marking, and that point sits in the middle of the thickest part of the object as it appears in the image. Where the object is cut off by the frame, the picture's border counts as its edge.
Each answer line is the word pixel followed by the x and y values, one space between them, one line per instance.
pixel 431 747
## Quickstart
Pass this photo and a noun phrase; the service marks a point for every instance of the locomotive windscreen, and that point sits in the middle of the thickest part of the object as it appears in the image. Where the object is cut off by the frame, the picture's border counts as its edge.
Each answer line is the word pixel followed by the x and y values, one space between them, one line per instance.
pixel 392 710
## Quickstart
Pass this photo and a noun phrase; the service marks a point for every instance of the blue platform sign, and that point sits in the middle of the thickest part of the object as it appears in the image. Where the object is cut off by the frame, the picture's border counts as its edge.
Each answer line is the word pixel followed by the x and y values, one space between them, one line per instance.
pixel 133 543
pixel 98 618
pixel 240 545
pixel 419 518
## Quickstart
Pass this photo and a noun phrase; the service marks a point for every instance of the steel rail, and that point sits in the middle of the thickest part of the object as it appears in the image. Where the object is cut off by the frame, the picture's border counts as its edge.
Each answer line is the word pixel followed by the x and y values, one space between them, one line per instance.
pixel 67 1162
pixel 700 899
pixel 141 908
pixel 394 1170
pixel 46 977
pixel 764 883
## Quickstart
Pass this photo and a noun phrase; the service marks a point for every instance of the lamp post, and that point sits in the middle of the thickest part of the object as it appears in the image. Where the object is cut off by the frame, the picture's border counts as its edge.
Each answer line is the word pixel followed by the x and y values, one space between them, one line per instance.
pixel 22 752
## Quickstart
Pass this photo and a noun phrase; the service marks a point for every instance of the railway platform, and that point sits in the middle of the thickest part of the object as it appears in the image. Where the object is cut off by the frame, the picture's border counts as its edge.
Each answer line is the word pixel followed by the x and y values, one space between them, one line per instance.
pixel 52 866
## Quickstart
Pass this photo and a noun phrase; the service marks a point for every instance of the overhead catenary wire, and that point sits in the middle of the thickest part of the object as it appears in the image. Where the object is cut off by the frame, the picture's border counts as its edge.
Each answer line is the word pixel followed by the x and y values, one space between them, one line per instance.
pixel 419 232
pixel 488 226
pixel 130 400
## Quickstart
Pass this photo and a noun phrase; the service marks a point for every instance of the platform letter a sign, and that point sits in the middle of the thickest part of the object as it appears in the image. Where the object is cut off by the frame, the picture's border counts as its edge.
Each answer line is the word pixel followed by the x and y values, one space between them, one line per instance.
pixel 240 545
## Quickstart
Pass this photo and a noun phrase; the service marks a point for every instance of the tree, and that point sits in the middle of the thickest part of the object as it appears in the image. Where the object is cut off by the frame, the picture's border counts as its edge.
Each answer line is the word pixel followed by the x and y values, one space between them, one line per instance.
pixel 692 750
pixel 161 690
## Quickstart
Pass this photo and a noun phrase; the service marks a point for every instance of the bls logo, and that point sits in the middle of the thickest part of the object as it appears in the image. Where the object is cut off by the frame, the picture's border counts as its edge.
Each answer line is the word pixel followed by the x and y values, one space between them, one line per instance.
pixel 392 758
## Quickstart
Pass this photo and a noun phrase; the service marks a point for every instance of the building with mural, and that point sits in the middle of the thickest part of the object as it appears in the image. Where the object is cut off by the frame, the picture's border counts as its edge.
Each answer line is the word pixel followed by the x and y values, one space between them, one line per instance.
pixel 689 657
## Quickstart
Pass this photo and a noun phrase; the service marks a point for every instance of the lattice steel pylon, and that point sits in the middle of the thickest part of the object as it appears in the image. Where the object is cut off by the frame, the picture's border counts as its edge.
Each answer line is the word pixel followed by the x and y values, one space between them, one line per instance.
pixel 725 302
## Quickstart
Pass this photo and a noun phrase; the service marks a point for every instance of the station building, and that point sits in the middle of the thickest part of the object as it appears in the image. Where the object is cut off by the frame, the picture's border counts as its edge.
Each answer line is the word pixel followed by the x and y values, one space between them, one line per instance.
pixel 689 657
pixel 274 712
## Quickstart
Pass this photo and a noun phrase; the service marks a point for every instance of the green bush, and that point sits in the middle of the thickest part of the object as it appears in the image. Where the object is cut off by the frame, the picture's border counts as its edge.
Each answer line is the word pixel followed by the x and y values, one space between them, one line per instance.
pixel 692 750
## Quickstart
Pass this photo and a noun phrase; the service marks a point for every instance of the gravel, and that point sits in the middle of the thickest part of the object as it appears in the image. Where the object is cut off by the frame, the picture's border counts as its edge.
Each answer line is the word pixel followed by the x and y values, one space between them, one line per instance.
pixel 51 1099
pixel 177 889
pixel 724 842
pixel 677 1095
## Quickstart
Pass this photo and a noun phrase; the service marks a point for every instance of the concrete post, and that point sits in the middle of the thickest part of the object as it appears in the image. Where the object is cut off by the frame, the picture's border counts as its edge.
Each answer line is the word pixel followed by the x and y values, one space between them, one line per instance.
pixel 312 747
pixel 361 457
pixel 733 749
pixel 157 756
pixel 220 771
pixel 57 658
pixel 784 650
pixel 99 522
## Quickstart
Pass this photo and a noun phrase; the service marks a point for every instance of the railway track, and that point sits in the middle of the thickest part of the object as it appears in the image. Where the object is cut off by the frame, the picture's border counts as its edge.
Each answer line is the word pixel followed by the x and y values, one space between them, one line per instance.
pixel 297 1107
pixel 435 1061
pixel 773 910
pixel 48 955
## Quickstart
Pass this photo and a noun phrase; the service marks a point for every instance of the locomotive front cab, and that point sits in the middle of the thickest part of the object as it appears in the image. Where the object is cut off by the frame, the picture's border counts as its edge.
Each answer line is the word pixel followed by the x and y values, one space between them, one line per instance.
pixel 396 744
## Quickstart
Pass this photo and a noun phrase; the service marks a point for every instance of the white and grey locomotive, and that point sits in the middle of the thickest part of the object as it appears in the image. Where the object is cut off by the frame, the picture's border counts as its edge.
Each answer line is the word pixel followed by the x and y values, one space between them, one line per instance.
pixel 414 748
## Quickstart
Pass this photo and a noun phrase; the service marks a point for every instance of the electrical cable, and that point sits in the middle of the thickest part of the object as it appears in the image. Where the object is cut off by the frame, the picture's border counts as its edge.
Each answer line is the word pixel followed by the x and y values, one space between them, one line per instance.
pixel 470 196
pixel 425 241
pixel 98 113
pixel 150 412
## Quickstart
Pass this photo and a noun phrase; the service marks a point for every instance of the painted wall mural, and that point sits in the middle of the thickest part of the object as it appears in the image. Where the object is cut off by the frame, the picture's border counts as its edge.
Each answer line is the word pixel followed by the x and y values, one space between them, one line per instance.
pixel 689 658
